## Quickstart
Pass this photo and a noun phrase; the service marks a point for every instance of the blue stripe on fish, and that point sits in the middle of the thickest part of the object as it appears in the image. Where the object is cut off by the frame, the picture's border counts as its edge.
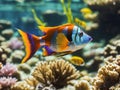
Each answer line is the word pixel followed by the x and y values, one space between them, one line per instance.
pixel 31 43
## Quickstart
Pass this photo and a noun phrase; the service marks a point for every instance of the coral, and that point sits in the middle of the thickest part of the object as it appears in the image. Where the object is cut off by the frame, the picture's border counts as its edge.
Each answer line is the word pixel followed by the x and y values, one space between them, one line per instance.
pixel 108 75
pixel 82 85
pixel 7 33
pixel 113 48
pixel 57 73
pixel 107 9
pixel 25 68
pixel 32 62
pixel 7 81
pixel 4 24
pixel 2 38
pixel 1 65
pixel 22 85
pixel 116 87
pixel 28 84
pixel 8 70
pixel 4 53
pixel 17 56
pixel 14 43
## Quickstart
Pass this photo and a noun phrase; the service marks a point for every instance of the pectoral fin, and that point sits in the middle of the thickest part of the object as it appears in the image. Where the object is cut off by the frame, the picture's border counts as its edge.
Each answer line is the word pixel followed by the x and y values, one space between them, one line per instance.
pixel 47 51
pixel 61 42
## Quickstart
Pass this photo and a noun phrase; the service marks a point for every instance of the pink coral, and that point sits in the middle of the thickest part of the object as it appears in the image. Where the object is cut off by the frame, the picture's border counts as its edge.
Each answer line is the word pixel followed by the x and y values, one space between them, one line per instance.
pixel 8 70
pixel 15 43
pixel 7 81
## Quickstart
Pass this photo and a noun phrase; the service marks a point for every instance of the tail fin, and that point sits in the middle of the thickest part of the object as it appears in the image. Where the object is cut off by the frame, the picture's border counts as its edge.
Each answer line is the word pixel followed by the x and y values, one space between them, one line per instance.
pixel 32 44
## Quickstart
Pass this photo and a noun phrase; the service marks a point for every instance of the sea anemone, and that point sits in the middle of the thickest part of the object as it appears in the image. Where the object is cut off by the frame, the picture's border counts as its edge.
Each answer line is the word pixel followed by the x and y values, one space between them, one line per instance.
pixel 57 73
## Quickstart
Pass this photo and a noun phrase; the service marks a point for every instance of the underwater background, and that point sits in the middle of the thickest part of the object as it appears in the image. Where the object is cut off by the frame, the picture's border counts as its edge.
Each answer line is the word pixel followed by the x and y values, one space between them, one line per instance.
pixel 98 18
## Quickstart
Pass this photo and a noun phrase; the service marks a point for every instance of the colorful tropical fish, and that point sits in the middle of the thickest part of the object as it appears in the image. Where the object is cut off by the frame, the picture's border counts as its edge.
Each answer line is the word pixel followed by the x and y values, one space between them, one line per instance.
pixel 86 10
pixel 58 40
pixel 76 60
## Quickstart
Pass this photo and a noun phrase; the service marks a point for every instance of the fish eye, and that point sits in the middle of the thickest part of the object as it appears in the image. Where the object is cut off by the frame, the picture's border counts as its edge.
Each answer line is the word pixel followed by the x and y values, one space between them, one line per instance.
pixel 81 34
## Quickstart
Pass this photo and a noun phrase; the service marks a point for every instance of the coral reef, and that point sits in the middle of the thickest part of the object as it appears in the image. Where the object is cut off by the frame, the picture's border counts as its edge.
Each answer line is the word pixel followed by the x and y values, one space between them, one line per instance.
pixel 6 79
pixel 15 43
pixel 109 16
pixel 50 75
pixel 4 53
pixel 108 75
pixel 7 33
pixel 4 24
pixel 82 85
pixel 55 72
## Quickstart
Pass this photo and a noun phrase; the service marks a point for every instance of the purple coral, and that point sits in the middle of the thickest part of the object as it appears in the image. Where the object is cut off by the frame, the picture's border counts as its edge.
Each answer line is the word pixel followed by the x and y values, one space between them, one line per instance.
pixel 7 81
pixel 8 70
pixel 15 43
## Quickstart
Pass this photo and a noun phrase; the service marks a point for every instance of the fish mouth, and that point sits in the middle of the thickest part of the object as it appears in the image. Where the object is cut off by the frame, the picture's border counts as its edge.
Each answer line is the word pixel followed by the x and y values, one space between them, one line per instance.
pixel 90 39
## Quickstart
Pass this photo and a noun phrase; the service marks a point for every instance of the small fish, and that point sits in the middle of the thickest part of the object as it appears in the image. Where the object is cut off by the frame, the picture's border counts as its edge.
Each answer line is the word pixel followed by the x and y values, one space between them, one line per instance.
pixel 80 22
pixel 86 11
pixel 76 60
pixel 63 39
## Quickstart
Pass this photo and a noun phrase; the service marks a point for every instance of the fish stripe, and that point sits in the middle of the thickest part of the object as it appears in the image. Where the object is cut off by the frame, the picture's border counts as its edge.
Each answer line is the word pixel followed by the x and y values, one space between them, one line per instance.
pixel 76 35
pixel 27 45
pixel 31 43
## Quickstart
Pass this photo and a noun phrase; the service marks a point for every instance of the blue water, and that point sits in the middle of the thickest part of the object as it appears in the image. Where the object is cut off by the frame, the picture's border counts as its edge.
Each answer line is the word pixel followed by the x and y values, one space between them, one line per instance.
pixel 21 16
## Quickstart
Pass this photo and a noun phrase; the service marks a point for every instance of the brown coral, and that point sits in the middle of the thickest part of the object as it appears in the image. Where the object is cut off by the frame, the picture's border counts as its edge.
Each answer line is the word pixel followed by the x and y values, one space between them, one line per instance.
pixel 82 85
pixel 22 85
pixel 108 75
pixel 58 73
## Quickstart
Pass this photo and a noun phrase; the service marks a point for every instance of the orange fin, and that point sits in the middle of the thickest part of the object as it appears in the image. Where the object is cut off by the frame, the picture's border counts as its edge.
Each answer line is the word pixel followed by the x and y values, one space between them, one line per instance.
pixel 32 44
pixel 62 42
pixel 47 51
pixel 45 29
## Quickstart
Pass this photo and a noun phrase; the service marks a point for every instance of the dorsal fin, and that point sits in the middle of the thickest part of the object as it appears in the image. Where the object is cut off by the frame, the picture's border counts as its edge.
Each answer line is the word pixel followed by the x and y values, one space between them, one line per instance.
pixel 45 29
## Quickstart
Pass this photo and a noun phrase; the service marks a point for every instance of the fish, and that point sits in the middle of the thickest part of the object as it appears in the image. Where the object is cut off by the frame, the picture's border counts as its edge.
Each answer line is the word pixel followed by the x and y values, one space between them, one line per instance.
pixel 81 22
pixel 76 60
pixel 86 10
pixel 58 40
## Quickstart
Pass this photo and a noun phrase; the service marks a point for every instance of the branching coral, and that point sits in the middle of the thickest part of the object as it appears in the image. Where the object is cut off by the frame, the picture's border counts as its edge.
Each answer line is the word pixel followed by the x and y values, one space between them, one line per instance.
pixel 8 70
pixel 6 82
pixel 22 85
pixel 108 75
pixel 6 79
pixel 58 73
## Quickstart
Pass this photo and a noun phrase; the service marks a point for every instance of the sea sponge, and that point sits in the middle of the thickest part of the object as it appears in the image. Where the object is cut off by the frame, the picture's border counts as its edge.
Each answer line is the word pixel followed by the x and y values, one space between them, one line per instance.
pixel 82 85
pixel 108 75
pixel 58 73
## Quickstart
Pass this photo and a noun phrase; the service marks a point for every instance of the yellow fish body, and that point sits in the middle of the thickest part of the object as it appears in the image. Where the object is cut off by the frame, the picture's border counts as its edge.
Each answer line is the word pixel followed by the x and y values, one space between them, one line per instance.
pixel 86 11
pixel 76 60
